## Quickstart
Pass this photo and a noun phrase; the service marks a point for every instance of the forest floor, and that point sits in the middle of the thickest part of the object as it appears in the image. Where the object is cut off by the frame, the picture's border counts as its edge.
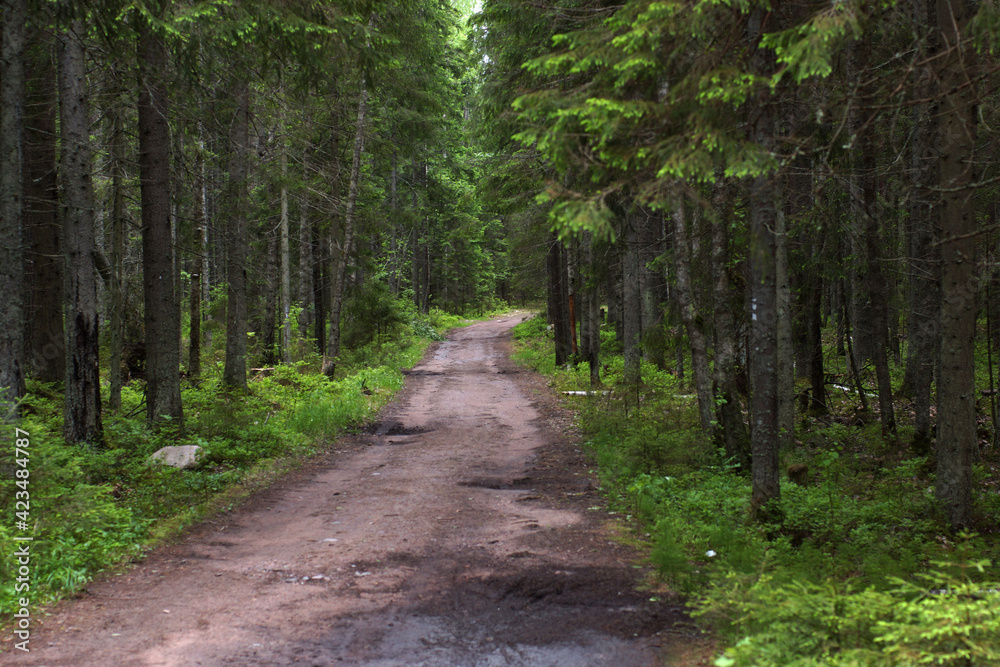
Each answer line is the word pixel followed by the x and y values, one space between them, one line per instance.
pixel 464 528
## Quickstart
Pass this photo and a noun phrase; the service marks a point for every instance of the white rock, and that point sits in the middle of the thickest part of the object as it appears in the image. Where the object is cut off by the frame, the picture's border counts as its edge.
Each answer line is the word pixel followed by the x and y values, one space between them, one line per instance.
pixel 181 456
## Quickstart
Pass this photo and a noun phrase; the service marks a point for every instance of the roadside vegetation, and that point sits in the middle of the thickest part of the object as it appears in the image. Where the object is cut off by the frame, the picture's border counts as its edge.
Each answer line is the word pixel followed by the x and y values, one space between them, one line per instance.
pixel 862 570
pixel 95 508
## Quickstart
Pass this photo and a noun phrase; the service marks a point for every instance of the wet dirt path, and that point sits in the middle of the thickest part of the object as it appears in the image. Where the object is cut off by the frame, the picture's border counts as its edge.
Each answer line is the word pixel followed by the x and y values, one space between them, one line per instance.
pixel 460 531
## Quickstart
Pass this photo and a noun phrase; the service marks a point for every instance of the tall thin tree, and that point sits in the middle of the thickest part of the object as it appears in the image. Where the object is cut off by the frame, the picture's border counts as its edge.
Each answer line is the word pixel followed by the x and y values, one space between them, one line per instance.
pixel 11 253
pixel 83 383
pixel 340 268
pixel 162 316
pixel 956 437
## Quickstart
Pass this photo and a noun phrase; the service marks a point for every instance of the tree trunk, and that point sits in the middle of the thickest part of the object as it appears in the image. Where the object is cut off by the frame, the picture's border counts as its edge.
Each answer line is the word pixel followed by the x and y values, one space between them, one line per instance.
pixel 813 314
pixel 116 320
pixel 569 259
pixel 45 340
pixel 337 298
pixel 693 322
pixel 783 334
pixel 731 433
pixel 83 382
pixel 306 262
pixel 565 294
pixel 199 267
pixel 651 277
pixel 956 438
pixel 557 311
pixel 395 228
pixel 321 287
pixel 592 316
pixel 763 347
pixel 271 289
pixel 286 265
pixel 924 253
pixel 11 256
pixel 415 245
pixel 764 437
pixel 162 318
pixel 865 204
pixel 234 373
pixel 631 301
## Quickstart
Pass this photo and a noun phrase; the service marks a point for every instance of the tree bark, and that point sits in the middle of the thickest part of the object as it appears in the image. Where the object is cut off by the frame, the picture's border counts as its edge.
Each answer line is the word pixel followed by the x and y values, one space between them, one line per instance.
pixel 556 305
pixel 731 433
pixel 116 320
pixel 592 321
pixel 813 315
pixel 631 306
pixel 565 295
pixel 956 438
pixel 234 373
pixel 693 321
pixel 307 295
pixel 82 410
pixel 764 438
pixel 306 288
pixel 162 317
pixel 785 389
pixel 11 255
pixel 286 263
pixel 651 276
pixel 924 253
pixel 865 204
pixel 272 288
pixel 321 287
pixel 337 298
pixel 395 228
pixel 199 242
pixel 45 341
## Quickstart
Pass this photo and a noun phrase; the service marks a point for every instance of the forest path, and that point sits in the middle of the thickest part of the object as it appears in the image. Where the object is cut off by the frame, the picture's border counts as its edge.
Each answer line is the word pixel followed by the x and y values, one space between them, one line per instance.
pixel 458 532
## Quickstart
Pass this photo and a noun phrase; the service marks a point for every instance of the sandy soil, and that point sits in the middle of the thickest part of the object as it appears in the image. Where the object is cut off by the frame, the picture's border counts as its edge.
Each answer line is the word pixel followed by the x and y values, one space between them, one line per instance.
pixel 463 529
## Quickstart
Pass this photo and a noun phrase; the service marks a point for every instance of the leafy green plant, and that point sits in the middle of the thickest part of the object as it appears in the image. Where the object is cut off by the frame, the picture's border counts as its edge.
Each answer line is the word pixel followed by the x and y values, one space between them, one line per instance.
pixel 949 620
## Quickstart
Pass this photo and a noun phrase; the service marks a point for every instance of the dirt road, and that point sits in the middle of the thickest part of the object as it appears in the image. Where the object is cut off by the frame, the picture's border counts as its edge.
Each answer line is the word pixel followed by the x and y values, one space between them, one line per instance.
pixel 460 531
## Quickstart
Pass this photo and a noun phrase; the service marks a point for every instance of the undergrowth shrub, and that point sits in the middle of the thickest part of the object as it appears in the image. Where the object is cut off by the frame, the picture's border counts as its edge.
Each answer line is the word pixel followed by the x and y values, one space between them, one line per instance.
pixel 854 572
pixel 77 526
pixel 948 619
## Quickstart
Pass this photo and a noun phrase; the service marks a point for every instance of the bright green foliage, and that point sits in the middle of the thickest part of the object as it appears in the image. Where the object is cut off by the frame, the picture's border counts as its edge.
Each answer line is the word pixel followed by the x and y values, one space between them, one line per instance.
pixel 946 620
pixel 636 97
pixel 78 526
pixel 808 50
